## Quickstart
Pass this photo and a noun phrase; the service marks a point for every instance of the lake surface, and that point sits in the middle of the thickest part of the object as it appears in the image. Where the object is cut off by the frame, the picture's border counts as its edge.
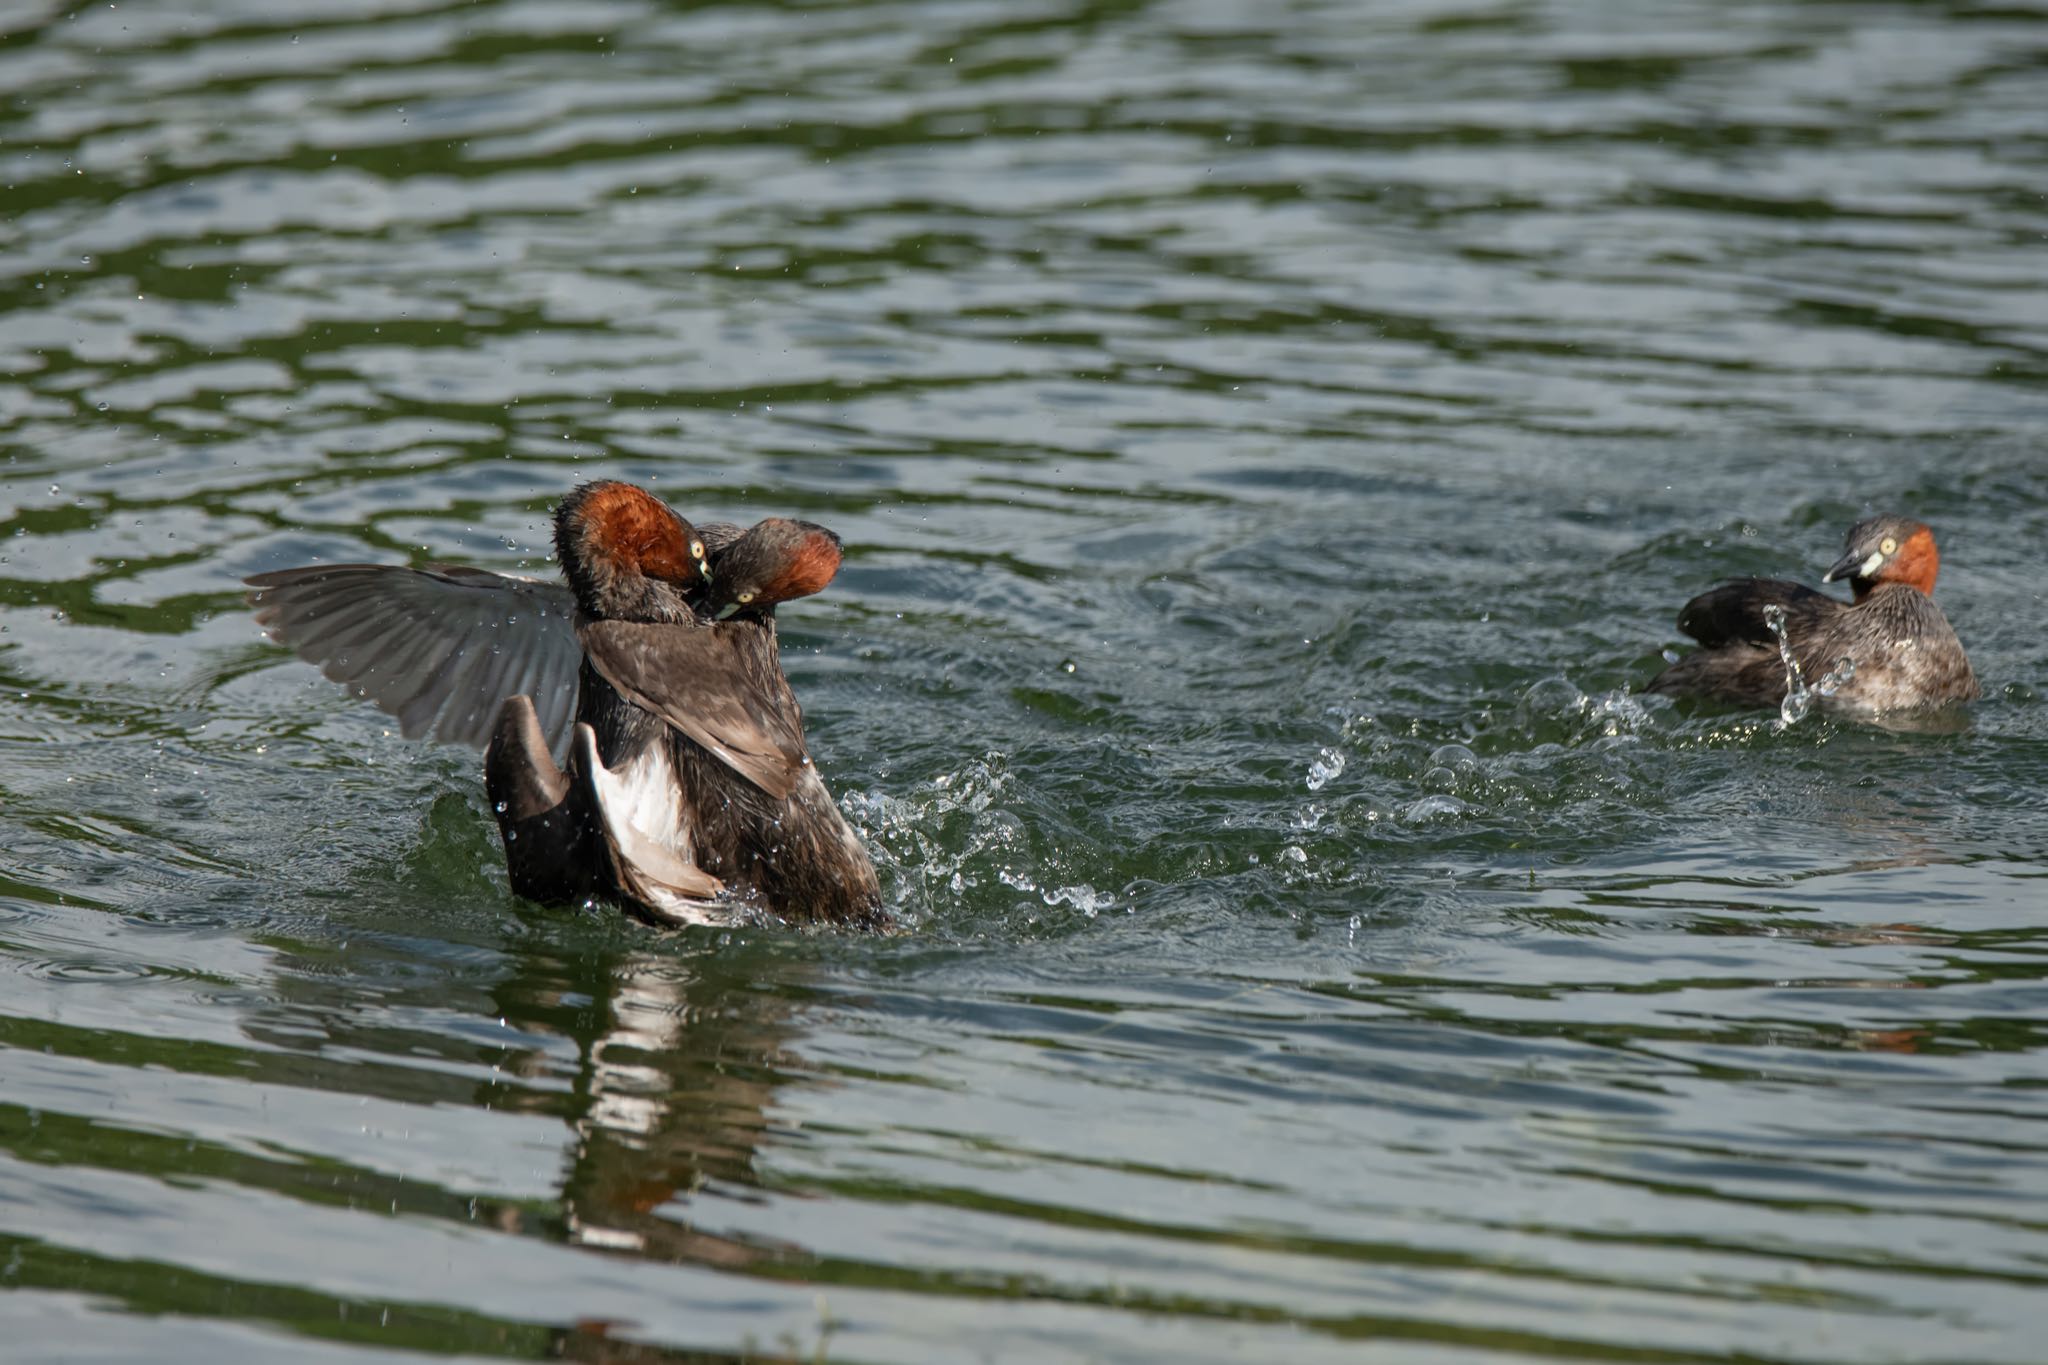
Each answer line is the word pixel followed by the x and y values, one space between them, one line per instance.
pixel 1272 443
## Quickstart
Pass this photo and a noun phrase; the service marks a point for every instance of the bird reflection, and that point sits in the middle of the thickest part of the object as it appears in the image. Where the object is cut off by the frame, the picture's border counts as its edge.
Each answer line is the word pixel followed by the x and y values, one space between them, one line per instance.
pixel 675 1090
pixel 678 1062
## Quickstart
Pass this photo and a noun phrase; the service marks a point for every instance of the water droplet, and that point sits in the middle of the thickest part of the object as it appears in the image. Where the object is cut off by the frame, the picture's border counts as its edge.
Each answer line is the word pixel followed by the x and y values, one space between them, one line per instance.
pixel 1793 709
pixel 1831 681
pixel 1798 697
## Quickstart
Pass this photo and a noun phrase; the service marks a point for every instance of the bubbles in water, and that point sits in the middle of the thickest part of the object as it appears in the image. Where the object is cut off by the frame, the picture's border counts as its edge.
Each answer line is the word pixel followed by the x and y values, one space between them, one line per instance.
pixel 1456 757
pixel 1449 764
pixel 1432 808
pixel 1328 764
pixel 1554 696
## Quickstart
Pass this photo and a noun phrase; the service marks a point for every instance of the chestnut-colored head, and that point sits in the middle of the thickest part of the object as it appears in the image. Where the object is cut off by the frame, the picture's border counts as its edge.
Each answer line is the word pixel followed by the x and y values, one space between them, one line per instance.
pixel 627 555
pixel 1887 550
pixel 774 561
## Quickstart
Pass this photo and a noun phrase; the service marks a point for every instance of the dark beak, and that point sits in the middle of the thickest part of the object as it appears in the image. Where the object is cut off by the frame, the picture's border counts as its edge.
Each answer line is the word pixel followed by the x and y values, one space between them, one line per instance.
pixel 1845 567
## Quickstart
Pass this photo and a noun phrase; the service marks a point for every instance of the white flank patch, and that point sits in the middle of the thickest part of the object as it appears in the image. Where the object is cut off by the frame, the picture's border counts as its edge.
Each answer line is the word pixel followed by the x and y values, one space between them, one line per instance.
pixel 642 795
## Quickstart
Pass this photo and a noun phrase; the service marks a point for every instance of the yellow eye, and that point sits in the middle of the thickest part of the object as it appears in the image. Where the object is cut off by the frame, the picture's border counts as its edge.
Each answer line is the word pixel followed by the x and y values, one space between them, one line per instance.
pixel 746 597
pixel 696 549
pixel 1887 546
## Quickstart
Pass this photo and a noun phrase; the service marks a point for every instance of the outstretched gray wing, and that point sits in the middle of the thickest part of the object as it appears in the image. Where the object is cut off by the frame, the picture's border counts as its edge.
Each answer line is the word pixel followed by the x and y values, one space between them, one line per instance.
pixel 438 647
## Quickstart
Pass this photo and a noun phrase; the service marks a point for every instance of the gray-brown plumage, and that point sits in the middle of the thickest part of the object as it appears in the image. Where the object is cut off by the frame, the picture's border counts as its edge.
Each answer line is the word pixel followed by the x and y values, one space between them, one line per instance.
pixel 1903 653
pixel 685 791
pixel 781 835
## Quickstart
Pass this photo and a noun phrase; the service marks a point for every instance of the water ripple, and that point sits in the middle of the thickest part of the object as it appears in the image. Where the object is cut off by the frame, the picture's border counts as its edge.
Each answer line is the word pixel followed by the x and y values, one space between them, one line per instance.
pixel 1271 446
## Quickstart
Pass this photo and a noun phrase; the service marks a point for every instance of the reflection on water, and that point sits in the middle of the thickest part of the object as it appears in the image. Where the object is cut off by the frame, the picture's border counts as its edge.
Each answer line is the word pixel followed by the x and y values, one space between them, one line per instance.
pixel 675 1090
pixel 1271 445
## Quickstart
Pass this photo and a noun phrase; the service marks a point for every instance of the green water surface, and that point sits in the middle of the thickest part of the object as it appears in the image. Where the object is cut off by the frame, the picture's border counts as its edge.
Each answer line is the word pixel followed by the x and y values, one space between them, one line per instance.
pixel 1272 442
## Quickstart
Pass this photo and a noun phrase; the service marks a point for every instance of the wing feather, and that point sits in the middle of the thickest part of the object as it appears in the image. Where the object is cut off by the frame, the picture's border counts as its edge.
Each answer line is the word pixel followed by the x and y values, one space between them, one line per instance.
pixel 469 689
pixel 716 683
pixel 1733 612
pixel 438 647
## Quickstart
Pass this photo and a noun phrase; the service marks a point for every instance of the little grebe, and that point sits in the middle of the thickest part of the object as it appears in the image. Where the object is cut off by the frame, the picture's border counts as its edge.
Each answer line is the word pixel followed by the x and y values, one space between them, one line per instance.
pixel 688 794
pixel 1903 653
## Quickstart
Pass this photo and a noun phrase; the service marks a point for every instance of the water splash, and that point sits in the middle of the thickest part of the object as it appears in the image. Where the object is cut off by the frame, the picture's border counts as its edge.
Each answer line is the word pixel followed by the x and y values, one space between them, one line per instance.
pixel 1554 709
pixel 1081 896
pixel 948 837
pixel 1799 698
